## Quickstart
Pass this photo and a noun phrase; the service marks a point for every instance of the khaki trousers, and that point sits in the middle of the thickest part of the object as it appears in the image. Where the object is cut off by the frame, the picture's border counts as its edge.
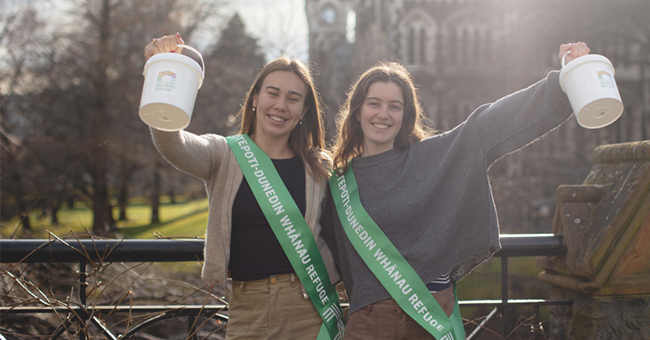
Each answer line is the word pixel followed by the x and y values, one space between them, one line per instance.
pixel 272 308
pixel 385 320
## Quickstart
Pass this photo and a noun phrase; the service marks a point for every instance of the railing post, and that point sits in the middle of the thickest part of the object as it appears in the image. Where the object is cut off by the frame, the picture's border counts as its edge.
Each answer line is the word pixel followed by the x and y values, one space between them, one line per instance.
pixel 536 328
pixel 505 313
pixel 82 282
pixel 82 298
pixel 191 329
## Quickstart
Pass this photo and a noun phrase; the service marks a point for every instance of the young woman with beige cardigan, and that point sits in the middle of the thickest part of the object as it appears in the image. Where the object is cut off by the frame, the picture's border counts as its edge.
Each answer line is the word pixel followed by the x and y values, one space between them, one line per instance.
pixel 282 115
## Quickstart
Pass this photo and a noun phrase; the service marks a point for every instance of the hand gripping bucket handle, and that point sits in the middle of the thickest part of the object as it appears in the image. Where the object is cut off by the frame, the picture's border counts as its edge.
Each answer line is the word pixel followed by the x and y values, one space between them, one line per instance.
pixel 172 81
pixel 589 84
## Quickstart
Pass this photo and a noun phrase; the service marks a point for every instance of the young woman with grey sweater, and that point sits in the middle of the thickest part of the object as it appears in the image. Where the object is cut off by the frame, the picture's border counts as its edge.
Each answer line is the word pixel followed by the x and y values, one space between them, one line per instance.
pixel 429 195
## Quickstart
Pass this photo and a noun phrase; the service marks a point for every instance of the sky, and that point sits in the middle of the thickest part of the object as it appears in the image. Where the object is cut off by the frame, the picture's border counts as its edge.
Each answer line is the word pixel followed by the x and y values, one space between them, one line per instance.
pixel 281 26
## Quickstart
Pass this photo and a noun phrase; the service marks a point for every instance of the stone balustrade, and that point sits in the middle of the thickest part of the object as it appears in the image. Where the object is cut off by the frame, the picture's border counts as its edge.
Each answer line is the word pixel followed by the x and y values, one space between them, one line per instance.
pixel 606 227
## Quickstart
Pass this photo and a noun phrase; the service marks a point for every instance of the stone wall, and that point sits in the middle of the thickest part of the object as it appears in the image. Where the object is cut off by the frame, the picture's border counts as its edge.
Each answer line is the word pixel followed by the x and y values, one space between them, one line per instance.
pixel 606 271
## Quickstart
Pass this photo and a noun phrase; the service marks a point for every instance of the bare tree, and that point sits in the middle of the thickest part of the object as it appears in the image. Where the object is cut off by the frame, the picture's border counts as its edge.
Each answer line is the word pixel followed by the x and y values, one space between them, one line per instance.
pixel 20 31
pixel 82 95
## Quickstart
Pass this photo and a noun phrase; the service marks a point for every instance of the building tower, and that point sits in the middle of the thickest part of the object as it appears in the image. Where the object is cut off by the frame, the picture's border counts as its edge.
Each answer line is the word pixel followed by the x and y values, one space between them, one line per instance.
pixel 330 51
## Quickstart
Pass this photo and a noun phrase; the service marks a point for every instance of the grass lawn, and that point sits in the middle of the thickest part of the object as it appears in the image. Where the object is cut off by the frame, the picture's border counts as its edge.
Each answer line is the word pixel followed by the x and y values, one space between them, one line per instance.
pixel 182 219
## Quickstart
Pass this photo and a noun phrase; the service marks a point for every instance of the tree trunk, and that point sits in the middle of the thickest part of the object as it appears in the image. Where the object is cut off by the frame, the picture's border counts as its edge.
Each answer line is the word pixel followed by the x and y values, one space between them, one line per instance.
pixel 155 196
pixel 22 206
pixel 54 208
pixel 70 202
pixel 102 221
pixel 172 197
pixel 126 171
pixel 24 213
pixel 109 217
pixel 123 201
pixel 123 194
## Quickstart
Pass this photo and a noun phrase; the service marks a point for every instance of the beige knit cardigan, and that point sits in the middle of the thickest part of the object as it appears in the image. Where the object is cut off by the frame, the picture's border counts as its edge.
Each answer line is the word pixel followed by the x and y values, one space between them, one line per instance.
pixel 209 158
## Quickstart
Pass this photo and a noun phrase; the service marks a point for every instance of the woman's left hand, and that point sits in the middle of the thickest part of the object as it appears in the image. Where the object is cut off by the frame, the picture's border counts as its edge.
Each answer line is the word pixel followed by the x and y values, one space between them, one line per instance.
pixel 575 50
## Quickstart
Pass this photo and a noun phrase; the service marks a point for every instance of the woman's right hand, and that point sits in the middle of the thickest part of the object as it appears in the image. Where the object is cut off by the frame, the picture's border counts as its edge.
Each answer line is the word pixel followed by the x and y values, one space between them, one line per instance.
pixel 164 44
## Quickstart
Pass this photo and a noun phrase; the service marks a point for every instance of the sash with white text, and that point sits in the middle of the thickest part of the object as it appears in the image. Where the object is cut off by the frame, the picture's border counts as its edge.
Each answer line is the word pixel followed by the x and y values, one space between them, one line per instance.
pixel 388 265
pixel 291 230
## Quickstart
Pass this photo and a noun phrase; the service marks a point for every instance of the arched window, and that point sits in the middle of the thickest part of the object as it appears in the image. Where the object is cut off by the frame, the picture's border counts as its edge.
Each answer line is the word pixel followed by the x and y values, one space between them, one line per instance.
pixel 423 44
pixel 453 46
pixel 464 46
pixel 476 46
pixel 417 38
pixel 486 54
pixel 351 27
pixel 468 45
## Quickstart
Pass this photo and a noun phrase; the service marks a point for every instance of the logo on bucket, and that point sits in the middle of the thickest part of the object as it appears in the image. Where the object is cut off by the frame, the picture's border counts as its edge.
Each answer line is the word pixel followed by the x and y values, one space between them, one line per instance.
pixel 606 80
pixel 166 81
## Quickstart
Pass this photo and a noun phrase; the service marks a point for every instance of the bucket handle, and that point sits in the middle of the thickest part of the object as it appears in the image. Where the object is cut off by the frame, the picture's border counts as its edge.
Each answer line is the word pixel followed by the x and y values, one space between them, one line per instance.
pixel 198 53
pixel 563 57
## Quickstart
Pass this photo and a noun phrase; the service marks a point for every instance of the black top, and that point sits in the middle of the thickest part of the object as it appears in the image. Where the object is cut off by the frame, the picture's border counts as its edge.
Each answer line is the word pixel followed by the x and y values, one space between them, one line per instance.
pixel 255 252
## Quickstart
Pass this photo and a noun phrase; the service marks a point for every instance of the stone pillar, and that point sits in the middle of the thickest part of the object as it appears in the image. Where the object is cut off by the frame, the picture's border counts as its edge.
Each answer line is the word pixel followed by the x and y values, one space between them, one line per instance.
pixel 606 227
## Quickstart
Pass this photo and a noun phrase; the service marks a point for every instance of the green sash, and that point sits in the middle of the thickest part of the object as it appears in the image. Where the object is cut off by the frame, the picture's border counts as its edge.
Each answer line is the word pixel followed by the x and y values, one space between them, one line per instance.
pixel 388 265
pixel 291 230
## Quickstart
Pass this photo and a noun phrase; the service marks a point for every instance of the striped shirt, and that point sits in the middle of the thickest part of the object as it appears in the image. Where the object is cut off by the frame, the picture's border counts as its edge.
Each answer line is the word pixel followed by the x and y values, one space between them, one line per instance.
pixel 441 283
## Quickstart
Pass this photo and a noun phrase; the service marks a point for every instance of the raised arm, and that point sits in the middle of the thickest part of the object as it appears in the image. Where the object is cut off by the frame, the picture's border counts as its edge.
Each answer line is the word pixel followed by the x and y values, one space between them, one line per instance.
pixel 195 155
pixel 518 119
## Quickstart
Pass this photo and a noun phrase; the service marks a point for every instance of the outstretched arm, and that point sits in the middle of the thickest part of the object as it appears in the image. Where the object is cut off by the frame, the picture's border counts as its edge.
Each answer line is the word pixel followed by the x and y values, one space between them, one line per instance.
pixel 190 153
pixel 520 118
pixel 186 151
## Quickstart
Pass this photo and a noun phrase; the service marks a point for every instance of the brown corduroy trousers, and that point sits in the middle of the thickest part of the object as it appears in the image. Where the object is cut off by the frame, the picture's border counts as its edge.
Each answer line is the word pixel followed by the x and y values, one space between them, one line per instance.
pixel 385 320
pixel 272 308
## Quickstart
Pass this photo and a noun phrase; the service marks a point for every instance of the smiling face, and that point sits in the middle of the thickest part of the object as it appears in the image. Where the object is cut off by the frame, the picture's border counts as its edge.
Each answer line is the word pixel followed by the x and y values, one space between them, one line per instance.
pixel 381 117
pixel 280 104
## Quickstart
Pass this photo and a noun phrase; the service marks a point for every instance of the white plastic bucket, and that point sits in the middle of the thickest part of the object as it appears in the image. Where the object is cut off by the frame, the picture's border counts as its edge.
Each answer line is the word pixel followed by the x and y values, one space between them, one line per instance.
pixel 171 82
pixel 589 83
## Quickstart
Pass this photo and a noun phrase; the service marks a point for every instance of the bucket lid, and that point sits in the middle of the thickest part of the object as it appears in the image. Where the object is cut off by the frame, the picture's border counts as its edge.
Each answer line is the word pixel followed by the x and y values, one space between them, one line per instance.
pixel 179 58
pixel 582 60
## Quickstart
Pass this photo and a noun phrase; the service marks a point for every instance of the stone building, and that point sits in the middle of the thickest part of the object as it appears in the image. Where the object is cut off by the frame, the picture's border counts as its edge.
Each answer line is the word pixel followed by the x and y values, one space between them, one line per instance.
pixel 463 53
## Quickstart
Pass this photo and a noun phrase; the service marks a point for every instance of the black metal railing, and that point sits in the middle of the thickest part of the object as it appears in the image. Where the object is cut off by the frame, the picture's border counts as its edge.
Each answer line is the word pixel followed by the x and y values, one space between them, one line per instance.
pixel 181 250
pixel 519 245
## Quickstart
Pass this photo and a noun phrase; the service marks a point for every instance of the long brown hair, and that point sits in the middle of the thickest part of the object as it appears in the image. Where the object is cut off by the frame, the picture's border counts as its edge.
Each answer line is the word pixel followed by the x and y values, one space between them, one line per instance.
pixel 349 139
pixel 306 139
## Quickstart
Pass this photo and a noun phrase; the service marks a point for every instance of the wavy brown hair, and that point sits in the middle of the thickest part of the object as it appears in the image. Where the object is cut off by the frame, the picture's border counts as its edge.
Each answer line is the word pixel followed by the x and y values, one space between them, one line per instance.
pixel 306 139
pixel 349 139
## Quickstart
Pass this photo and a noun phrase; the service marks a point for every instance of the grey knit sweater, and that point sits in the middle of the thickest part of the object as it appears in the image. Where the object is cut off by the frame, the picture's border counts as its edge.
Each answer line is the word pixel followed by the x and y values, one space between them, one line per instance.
pixel 433 199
